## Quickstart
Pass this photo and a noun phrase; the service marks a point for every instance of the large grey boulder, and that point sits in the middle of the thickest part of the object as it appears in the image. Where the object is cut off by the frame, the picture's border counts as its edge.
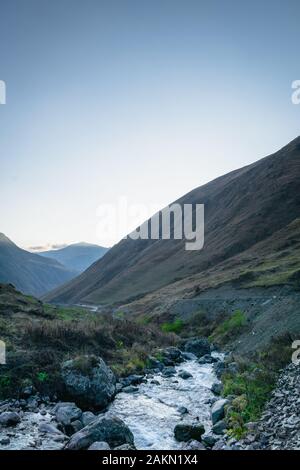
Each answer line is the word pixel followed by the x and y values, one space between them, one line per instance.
pixel 89 382
pixel 218 410
pixel 9 418
pixel 187 432
pixel 104 429
pixel 69 417
pixel 197 346
pixel 47 428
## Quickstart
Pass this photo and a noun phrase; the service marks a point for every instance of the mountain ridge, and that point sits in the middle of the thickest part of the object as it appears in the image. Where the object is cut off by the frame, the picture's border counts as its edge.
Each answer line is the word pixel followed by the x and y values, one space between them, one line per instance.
pixel 242 208
pixel 30 272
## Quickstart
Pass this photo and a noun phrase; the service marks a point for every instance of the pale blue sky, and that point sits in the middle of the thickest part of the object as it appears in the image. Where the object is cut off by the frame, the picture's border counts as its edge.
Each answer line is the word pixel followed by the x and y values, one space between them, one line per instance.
pixel 135 98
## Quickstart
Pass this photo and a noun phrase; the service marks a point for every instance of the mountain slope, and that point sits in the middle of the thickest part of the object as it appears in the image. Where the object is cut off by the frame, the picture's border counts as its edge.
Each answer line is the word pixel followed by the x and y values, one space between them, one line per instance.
pixel 28 272
pixel 76 257
pixel 242 209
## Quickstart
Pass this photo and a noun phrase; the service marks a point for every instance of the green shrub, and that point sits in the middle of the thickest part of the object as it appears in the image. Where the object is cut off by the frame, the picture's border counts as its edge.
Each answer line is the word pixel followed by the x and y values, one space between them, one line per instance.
pixel 174 327
pixel 42 376
pixel 252 388
pixel 230 327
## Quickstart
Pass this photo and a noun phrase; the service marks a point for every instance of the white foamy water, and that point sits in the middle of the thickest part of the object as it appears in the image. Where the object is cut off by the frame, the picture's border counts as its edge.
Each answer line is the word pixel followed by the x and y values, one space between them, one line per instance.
pixel 152 412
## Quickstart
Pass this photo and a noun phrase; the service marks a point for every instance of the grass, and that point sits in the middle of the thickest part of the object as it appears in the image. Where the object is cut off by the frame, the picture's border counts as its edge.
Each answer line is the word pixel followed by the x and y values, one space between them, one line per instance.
pixel 37 344
pixel 253 384
pixel 173 327
pixel 229 328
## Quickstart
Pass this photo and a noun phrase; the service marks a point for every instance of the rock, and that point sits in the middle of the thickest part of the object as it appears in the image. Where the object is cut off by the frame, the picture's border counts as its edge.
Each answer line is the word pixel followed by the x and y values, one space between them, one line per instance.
pixel 187 432
pixel 217 410
pixel 153 363
pixel 4 441
pixel 66 414
pixel 209 440
pixel 99 445
pixel 28 391
pixel 89 381
pixel 188 356
pixel 192 445
pixel 184 374
pixel 87 417
pixel 74 427
pixel 221 445
pixel 108 429
pixel 125 447
pixel 182 410
pixel 119 387
pixel 168 371
pixel 173 354
pixel 130 389
pixel 9 418
pixel 132 380
pixel 219 368
pixel 48 428
pixel 206 359
pixel 217 388
pixel 155 382
pixel 198 346
pixel 219 427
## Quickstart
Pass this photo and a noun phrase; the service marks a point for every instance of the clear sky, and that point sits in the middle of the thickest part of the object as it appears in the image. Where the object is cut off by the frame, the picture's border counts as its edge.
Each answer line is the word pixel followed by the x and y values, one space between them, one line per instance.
pixel 138 99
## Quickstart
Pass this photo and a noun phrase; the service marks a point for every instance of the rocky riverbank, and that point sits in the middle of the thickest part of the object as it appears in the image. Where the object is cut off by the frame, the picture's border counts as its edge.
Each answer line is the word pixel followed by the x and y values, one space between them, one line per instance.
pixel 176 403
pixel 279 426
pixel 171 406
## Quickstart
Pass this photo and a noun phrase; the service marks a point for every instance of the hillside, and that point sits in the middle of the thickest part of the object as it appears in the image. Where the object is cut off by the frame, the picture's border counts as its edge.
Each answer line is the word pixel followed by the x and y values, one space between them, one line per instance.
pixel 28 272
pixel 245 211
pixel 76 257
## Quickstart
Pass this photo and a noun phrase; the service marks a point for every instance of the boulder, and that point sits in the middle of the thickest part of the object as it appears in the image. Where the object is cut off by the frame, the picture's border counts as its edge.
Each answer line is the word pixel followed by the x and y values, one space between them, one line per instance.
pixel 9 418
pixel 48 428
pixel 209 440
pixel 168 371
pixel 184 374
pixel 192 445
pixel 206 359
pixel 108 429
pixel 182 410
pixel 65 412
pixel 173 354
pixel 130 389
pixel 87 417
pixel 99 446
pixel 187 356
pixel 219 368
pixel 153 363
pixel 187 432
pixel 197 346
pixel 133 379
pixel 219 427
pixel 89 382
pixel 218 410
pixel 217 388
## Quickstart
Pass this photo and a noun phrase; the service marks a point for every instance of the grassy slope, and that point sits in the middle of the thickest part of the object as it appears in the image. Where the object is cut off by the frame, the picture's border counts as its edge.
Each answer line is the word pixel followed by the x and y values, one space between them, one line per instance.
pixel 242 209
pixel 39 337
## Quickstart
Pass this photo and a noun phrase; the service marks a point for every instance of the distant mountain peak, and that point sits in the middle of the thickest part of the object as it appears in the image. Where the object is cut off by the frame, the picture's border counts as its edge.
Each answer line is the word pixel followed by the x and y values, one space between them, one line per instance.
pixel 5 239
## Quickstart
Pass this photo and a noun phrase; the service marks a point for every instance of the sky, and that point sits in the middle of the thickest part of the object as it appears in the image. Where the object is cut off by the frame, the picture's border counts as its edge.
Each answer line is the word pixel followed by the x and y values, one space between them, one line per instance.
pixel 136 101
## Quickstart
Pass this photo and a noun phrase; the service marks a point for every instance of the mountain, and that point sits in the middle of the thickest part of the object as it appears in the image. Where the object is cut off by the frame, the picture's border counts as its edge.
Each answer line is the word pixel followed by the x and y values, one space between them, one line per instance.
pixel 29 272
pixel 76 257
pixel 249 214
